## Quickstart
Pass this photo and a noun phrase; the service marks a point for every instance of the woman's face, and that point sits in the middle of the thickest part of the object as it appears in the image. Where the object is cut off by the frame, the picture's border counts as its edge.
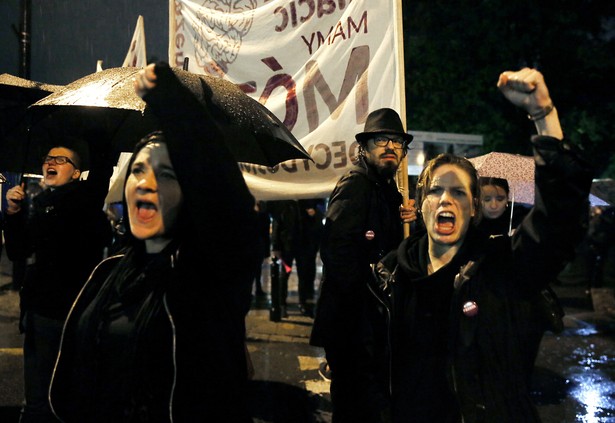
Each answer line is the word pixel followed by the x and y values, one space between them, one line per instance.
pixel 153 196
pixel 448 206
pixel 494 200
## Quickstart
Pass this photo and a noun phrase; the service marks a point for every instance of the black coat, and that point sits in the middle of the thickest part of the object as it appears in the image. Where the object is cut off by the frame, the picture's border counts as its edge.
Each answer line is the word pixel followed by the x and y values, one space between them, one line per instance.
pixel 446 362
pixel 294 231
pixel 66 233
pixel 199 286
pixel 362 225
pixel 501 225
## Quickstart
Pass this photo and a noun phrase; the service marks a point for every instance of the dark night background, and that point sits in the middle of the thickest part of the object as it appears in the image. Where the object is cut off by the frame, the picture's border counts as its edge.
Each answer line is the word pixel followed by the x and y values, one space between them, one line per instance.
pixel 454 52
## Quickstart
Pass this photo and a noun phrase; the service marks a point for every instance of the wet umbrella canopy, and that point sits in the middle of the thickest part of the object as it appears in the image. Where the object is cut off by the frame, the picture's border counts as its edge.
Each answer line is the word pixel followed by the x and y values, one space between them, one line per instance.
pixel 15 91
pixel 106 100
pixel 519 172
pixel 16 94
pixel 604 189
pixel 516 169
pixel 258 135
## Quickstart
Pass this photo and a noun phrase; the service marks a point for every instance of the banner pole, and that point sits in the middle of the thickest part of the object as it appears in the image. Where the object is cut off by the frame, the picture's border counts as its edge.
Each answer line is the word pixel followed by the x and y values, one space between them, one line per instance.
pixel 402 172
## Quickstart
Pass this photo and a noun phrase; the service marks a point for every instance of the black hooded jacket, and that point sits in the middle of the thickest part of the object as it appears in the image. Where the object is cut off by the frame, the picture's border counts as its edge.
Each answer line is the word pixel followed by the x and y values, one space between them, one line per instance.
pixel 65 233
pixel 362 225
pixel 187 363
pixel 446 362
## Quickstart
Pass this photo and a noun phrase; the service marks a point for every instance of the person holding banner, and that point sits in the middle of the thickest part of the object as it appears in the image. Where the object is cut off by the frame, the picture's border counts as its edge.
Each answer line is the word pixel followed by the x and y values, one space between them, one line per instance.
pixel 455 295
pixel 362 224
pixel 158 332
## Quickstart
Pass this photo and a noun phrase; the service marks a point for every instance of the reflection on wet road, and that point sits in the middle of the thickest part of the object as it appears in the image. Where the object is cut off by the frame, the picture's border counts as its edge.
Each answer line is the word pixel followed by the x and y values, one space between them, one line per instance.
pixel 594 386
pixel 575 374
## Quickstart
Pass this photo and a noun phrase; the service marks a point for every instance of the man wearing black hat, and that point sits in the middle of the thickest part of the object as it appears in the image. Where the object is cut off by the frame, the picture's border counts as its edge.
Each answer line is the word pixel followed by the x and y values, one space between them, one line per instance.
pixel 363 224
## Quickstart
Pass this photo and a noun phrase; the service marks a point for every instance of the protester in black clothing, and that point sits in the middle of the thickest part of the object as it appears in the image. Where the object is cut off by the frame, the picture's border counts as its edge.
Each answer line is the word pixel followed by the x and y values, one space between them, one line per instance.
pixel 295 237
pixel 311 214
pixel 285 239
pixel 158 333
pixel 2 181
pixel 263 222
pixel 363 224
pixel 601 240
pixel 454 294
pixel 62 240
pixel 542 310
pixel 499 215
pixel 1 230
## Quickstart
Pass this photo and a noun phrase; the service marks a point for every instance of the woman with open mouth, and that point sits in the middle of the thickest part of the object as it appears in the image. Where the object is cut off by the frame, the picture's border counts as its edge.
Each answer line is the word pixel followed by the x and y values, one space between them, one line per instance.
pixel 453 293
pixel 158 333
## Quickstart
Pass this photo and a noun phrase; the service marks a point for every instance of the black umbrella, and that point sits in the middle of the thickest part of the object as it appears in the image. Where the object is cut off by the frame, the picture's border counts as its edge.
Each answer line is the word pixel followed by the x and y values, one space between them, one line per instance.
pixel 16 94
pixel 16 91
pixel 604 189
pixel 105 101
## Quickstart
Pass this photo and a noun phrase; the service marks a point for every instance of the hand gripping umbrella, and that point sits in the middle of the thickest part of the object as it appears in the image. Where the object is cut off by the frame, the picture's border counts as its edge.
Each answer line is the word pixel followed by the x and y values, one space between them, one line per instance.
pixel 106 101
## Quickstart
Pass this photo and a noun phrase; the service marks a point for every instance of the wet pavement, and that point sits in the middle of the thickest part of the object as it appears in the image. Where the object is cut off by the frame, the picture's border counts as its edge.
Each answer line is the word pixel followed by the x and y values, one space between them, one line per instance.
pixel 574 379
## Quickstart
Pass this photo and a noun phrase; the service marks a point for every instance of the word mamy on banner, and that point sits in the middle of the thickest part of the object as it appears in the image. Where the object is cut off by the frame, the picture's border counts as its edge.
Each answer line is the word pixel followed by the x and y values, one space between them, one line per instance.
pixel 317 64
pixel 224 53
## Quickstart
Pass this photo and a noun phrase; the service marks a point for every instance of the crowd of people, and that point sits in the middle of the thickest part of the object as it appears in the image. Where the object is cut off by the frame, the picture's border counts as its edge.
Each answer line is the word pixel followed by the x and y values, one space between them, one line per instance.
pixel 442 326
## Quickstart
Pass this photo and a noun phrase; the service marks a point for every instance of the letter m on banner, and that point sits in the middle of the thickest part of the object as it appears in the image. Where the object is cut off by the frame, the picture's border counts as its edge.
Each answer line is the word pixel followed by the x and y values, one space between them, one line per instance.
pixel 320 65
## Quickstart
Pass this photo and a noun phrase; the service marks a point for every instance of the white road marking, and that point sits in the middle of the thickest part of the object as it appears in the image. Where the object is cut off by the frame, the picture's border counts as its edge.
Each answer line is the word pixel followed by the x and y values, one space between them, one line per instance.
pixel 317 386
pixel 11 351
pixel 309 363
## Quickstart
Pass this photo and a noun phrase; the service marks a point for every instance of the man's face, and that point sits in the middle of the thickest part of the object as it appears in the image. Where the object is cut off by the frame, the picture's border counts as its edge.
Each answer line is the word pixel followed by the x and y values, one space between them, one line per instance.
pixel 448 206
pixel 385 156
pixel 153 195
pixel 55 175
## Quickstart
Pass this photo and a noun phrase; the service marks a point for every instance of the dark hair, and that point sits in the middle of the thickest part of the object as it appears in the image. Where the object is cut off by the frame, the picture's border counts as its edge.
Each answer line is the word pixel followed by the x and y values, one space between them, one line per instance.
pixel 79 145
pixel 497 182
pixel 76 159
pixel 443 159
pixel 156 136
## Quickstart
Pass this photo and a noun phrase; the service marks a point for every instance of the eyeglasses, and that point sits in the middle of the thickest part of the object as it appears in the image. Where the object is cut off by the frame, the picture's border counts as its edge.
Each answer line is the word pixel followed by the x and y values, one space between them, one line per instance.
pixel 58 160
pixel 382 141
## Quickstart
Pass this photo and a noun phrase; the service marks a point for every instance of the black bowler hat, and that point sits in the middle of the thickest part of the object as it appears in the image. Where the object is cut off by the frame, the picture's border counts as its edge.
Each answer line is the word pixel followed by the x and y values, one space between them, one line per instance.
pixel 382 121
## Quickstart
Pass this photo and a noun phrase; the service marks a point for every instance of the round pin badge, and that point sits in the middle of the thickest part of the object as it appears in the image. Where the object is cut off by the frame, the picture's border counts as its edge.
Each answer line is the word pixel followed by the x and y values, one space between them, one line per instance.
pixel 470 309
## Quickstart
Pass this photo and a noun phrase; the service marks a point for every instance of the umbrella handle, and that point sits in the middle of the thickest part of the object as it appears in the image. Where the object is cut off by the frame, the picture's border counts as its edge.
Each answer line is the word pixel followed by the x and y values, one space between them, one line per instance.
pixel 512 207
pixel 24 163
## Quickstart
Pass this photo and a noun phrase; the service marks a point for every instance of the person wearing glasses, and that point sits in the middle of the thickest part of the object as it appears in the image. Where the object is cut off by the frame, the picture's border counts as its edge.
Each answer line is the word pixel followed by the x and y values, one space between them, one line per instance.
pixel 62 235
pixel 363 223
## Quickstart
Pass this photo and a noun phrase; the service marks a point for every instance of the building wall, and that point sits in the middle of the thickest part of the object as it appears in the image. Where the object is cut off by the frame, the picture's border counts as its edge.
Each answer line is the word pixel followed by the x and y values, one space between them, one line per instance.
pixel 68 37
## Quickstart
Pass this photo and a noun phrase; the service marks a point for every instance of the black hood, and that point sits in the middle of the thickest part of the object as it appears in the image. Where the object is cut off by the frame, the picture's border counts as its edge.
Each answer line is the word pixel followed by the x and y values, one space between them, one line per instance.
pixel 413 253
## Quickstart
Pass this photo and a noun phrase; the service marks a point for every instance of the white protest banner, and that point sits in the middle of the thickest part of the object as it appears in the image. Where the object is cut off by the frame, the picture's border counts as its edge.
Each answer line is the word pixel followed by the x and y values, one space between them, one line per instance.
pixel 137 56
pixel 320 65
